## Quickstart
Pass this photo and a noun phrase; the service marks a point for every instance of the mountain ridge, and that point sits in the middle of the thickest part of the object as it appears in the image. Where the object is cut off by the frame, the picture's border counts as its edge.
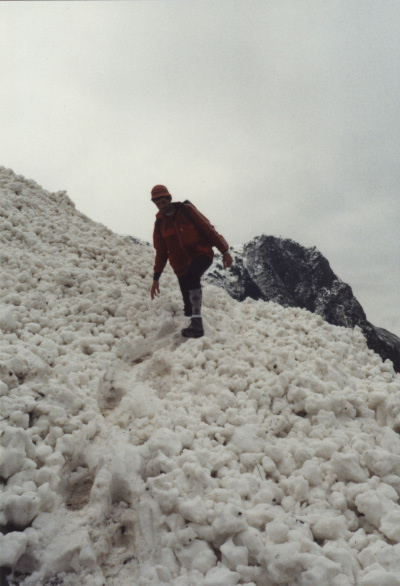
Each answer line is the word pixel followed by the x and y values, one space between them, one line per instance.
pixel 283 271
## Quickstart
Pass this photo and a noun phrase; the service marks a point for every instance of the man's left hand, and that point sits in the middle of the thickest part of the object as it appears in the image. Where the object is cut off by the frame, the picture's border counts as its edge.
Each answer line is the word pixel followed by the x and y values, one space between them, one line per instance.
pixel 227 260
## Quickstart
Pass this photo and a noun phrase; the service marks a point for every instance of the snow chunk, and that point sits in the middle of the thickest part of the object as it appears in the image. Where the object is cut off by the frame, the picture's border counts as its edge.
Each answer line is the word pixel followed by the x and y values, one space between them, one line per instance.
pixel 8 322
pixel 20 510
pixel 347 467
pixel 381 512
pixel 234 555
pixel 194 510
pixel 381 577
pixel 329 527
pixel 48 351
pixel 70 551
pixel 230 520
pixel 12 546
pixel 165 441
pixel 196 555
pixel 221 576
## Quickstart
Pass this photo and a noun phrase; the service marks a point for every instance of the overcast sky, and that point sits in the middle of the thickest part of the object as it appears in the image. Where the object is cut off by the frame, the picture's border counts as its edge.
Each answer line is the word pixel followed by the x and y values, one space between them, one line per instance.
pixel 273 116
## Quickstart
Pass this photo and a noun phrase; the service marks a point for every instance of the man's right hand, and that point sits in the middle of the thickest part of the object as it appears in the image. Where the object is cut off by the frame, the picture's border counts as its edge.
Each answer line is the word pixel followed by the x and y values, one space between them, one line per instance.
pixel 155 289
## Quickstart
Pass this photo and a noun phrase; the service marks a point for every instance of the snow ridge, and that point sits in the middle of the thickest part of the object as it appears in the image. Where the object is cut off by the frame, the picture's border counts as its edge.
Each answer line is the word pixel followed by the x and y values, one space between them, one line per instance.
pixel 265 453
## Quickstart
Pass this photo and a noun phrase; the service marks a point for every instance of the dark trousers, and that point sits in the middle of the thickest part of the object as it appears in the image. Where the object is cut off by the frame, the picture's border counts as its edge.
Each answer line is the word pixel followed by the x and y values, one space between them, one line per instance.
pixel 191 279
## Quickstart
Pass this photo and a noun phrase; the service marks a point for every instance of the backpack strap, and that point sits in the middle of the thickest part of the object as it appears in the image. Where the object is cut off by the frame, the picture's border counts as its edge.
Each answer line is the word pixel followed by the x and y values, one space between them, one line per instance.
pixel 186 211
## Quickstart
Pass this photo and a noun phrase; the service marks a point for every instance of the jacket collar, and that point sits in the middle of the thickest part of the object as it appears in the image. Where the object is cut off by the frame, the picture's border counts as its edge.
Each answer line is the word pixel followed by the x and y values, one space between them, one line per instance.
pixel 175 205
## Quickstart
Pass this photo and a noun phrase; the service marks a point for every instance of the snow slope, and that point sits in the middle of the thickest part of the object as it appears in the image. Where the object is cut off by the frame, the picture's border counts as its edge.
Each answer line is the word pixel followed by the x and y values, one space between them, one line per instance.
pixel 265 453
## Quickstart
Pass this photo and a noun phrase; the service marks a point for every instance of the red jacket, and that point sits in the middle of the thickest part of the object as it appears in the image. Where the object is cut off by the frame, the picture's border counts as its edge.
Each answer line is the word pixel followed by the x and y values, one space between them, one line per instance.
pixel 180 240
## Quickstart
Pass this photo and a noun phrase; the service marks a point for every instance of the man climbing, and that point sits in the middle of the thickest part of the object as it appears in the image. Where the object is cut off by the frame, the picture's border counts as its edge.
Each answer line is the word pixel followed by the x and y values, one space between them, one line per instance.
pixel 185 237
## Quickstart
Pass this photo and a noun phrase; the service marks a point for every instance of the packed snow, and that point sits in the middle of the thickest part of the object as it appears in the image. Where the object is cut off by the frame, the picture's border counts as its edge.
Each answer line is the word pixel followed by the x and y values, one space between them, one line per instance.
pixel 265 453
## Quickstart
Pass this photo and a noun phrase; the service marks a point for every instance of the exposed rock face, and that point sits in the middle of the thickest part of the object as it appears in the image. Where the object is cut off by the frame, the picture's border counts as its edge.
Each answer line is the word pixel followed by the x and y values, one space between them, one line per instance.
pixel 280 270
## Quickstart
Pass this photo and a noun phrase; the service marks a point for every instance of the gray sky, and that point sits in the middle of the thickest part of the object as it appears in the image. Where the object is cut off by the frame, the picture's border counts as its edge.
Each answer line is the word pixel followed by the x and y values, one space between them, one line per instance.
pixel 273 116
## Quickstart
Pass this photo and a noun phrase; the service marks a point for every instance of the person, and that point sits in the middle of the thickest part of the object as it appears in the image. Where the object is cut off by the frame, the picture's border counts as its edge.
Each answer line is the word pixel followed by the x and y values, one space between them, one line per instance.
pixel 186 238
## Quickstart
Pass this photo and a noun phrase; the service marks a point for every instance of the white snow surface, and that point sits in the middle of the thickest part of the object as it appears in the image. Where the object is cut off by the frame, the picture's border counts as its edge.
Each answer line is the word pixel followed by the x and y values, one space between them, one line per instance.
pixel 266 452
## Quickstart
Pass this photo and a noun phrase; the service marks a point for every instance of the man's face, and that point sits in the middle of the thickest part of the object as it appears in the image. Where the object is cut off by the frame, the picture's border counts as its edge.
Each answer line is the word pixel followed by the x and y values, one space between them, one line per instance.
pixel 163 204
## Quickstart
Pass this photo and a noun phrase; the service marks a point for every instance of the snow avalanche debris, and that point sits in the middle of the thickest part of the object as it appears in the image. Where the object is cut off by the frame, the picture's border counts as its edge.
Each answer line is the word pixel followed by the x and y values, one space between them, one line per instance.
pixel 265 453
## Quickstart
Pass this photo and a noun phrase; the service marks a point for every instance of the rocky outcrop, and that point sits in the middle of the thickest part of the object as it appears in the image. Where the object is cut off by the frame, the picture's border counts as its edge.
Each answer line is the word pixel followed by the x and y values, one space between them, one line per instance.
pixel 283 271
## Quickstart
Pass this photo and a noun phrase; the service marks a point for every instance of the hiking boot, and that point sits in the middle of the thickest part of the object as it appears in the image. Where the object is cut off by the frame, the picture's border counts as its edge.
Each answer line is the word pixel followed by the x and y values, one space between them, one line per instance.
pixel 195 330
